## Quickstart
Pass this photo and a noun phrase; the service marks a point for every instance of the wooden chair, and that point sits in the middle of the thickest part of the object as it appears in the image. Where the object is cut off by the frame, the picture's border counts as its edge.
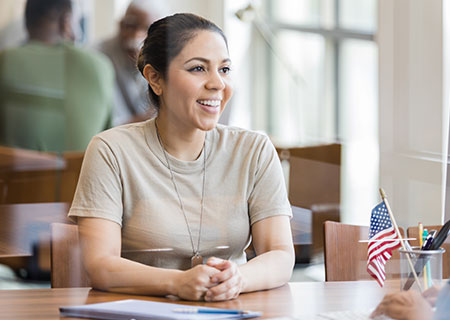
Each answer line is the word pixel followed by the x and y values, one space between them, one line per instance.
pixel 413 232
pixel 66 263
pixel 346 257
pixel 314 183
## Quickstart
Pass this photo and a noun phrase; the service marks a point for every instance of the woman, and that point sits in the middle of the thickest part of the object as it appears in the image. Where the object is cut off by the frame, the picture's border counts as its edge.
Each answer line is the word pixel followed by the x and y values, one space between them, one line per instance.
pixel 168 206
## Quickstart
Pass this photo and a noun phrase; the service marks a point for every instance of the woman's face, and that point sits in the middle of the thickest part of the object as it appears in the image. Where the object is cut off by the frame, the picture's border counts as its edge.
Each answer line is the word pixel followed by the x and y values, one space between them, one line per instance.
pixel 197 86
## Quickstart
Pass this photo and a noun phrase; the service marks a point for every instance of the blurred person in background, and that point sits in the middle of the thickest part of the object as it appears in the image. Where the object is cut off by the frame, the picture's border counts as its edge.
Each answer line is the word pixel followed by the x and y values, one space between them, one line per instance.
pixel 53 96
pixel 131 103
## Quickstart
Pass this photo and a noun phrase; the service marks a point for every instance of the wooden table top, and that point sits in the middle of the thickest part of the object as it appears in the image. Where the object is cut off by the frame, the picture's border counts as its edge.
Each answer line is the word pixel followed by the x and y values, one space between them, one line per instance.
pixel 22 225
pixel 12 159
pixel 296 299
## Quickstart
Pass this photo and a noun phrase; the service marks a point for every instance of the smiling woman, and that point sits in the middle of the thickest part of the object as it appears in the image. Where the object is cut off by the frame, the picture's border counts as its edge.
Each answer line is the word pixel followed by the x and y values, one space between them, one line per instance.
pixel 199 86
pixel 184 182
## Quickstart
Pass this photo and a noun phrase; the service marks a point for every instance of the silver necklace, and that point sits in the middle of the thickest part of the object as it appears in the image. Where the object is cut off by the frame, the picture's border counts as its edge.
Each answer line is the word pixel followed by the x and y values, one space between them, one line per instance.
pixel 196 257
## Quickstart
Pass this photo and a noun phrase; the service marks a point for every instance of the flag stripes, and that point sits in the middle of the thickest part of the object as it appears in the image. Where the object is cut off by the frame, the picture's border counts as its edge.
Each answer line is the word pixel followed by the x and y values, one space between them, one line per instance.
pixel 379 252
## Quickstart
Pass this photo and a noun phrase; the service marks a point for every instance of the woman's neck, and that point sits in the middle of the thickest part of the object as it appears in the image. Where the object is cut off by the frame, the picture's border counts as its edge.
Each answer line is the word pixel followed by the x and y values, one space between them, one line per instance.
pixel 184 145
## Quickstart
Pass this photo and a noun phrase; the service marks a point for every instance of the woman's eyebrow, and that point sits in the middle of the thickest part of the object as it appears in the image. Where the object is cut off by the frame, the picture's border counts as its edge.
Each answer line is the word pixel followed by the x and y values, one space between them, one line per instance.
pixel 204 60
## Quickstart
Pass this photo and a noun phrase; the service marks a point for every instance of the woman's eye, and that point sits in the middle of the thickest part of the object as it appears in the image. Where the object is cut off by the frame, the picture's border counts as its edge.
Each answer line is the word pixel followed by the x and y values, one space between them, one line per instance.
pixel 197 68
pixel 225 70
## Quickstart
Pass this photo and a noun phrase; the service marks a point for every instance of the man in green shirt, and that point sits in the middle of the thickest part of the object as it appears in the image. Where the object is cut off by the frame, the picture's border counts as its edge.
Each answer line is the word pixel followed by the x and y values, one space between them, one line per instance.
pixel 53 96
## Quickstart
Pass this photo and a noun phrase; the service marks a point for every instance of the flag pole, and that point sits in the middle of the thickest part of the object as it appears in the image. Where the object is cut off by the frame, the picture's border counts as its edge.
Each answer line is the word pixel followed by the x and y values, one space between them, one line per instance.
pixel 383 196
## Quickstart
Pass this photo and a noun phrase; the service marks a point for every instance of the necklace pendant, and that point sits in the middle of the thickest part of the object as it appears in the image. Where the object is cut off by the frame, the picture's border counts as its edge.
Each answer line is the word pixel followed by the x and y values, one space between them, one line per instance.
pixel 196 260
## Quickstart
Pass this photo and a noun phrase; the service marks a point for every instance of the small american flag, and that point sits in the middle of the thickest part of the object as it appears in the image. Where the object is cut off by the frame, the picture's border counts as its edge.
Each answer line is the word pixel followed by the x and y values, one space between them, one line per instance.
pixel 382 241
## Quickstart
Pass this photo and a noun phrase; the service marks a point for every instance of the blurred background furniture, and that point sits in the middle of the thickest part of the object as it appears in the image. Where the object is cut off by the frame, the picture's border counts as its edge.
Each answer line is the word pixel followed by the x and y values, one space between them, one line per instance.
pixel 413 232
pixel 28 176
pixel 67 269
pixel 70 174
pixel 301 228
pixel 314 183
pixel 346 257
pixel 25 236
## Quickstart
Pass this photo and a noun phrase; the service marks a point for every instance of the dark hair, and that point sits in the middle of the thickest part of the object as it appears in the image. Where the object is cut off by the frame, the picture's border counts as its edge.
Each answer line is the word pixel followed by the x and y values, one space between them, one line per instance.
pixel 165 40
pixel 39 11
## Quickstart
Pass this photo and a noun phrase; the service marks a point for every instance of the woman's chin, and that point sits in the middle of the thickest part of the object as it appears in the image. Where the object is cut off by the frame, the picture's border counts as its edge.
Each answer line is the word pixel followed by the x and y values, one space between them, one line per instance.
pixel 209 124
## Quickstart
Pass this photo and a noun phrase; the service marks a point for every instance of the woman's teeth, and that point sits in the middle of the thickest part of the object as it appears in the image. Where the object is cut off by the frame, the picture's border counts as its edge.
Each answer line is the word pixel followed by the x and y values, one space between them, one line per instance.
pixel 209 103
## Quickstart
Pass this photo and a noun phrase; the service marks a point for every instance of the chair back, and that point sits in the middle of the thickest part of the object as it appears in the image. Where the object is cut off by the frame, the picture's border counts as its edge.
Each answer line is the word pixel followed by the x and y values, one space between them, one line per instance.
pixel 67 268
pixel 413 232
pixel 346 257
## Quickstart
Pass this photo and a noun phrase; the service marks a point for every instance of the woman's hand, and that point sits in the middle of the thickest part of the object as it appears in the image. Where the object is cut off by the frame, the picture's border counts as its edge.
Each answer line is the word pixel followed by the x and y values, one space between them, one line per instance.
pixel 193 284
pixel 407 305
pixel 228 281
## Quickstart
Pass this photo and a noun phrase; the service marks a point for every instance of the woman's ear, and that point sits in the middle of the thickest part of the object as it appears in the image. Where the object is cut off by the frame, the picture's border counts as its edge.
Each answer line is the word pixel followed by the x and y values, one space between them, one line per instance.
pixel 154 79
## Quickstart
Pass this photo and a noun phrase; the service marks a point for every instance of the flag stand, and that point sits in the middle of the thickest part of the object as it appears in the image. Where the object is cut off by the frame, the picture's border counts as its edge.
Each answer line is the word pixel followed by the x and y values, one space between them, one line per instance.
pixel 383 196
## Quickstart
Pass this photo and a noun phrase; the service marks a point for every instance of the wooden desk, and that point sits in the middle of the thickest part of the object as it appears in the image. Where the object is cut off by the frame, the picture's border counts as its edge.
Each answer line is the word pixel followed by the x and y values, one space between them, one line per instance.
pixel 23 226
pixel 12 159
pixel 296 299
pixel 29 176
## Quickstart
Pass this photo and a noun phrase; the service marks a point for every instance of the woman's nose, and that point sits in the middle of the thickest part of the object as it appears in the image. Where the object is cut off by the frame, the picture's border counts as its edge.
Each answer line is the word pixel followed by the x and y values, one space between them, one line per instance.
pixel 215 81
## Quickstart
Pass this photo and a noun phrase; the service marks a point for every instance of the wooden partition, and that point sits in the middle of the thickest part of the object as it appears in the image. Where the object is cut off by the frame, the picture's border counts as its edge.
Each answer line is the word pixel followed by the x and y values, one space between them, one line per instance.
pixel 29 176
pixel 70 174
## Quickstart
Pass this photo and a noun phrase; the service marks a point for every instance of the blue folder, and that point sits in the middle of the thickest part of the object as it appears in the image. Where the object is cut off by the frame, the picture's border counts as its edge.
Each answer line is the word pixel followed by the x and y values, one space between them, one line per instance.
pixel 145 310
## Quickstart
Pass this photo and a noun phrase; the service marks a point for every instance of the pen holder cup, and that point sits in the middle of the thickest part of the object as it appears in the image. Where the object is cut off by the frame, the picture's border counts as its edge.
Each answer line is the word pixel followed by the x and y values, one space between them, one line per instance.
pixel 427 265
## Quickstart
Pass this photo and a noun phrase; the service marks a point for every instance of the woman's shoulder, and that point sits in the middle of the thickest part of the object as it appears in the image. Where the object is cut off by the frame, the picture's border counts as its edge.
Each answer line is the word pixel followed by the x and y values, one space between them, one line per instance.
pixel 123 135
pixel 240 134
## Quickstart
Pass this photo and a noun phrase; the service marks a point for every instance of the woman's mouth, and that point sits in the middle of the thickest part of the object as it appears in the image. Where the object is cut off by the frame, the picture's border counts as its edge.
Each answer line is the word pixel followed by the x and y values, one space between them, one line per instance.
pixel 210 106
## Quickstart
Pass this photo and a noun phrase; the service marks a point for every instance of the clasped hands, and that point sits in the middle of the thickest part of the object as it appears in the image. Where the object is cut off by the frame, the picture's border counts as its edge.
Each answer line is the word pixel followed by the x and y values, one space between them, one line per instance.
pixel 217 280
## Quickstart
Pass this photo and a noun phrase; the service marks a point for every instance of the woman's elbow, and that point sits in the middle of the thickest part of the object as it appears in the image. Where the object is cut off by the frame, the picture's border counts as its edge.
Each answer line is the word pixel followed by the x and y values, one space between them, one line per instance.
pixel 98 274
pixel 289 254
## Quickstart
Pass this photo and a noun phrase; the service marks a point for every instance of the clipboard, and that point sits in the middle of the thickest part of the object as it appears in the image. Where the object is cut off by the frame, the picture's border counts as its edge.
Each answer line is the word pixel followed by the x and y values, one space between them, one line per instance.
pixel 145 310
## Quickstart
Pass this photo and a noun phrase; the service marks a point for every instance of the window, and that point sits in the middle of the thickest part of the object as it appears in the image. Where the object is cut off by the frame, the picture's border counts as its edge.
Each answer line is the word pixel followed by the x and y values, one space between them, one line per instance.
pixel 321 87
pixel 322 69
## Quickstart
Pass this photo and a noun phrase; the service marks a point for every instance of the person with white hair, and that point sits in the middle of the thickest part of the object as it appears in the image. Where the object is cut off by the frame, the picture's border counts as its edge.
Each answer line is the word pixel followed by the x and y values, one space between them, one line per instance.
pixel 131 101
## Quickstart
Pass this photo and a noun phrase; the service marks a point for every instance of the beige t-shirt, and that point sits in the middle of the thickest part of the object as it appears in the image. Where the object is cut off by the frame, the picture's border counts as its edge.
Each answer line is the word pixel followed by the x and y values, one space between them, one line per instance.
pixel 125 179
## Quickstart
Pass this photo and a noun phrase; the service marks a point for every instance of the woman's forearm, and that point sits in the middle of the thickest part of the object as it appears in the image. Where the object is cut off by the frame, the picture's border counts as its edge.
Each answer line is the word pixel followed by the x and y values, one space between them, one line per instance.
pixel 268 270
pixel 117 274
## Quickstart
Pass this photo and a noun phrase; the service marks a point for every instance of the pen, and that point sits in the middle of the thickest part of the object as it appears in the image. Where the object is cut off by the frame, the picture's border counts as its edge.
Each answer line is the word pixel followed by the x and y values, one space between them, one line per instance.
pixel 424 238
pixel 201 310
pixel 435 245
pixel 429 240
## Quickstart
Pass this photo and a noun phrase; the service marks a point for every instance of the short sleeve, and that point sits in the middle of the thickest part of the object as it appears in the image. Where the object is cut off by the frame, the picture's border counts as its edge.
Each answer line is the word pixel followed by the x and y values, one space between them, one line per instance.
pixel 99 189
pixel 268 196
